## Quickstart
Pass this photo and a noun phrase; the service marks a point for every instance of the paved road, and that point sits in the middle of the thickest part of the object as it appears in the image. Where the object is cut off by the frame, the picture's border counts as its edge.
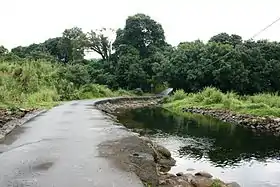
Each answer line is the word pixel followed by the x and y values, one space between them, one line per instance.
pixel 59 149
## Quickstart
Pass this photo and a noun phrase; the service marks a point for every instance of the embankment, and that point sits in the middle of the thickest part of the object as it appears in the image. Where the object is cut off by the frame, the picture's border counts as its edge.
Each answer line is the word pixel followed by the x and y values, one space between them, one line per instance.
pixel 270 125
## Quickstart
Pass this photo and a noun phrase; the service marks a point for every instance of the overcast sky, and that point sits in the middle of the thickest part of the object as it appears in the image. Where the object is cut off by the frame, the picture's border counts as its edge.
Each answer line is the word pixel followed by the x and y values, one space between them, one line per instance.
pixel 31 21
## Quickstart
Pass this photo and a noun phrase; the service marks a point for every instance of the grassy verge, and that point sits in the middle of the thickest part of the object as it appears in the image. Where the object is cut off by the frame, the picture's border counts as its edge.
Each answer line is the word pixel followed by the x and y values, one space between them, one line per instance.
pixel 40 84
pixel 259 104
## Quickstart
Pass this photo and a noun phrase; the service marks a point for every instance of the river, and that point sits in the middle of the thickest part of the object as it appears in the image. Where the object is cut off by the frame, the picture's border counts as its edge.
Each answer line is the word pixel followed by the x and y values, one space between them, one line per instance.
pixel 197 142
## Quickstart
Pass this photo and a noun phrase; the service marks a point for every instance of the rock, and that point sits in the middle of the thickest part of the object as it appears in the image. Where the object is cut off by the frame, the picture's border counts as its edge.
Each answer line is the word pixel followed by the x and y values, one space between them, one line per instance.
pixel 2 138
pixel 162 182
pixel 167 162
pixel 164 169
pixel 233 184
pixel 163 151
pixel 201 182
pixel 190 169
pixel 277 119
pixel 170 181
pixel 146 140
pixel 203 174
pixel 180 174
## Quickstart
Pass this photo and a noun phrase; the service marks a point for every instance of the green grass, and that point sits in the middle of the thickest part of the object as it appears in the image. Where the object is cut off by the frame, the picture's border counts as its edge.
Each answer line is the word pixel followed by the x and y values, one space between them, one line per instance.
pixel 216 183
pixel 38 84
pixel 259 105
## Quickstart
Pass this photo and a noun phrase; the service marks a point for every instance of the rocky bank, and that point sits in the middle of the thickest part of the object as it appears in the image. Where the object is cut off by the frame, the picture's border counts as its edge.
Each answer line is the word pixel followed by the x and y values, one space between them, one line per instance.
pixel 151 162
pixel 114 105
pixel 268 125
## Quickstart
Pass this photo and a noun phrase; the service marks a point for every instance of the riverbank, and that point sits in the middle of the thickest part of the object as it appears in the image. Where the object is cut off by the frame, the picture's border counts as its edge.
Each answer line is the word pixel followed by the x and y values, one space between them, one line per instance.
pixel 151 162
pixel 260 113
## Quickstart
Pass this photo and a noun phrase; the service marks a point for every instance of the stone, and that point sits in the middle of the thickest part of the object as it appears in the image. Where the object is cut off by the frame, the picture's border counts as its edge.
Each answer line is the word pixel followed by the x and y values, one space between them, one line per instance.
pixel 233 184
pixel 277 119
pixel 162 182
pixel 167 162
pixel 180 174
pixel 2 138
pixel 201 182
pixel 170 181
pixel 163 151
pixel 146 140
pixel 190 169
pixel 164 169
pixel 203 174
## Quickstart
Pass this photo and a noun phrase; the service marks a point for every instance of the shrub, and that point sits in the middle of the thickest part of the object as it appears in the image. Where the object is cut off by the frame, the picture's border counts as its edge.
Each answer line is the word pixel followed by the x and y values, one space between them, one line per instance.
pixel 211 96
pixel 178 95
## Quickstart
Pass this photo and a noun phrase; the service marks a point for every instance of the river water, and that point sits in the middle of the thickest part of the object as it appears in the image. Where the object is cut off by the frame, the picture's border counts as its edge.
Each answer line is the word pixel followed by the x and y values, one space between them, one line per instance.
pixel 198 142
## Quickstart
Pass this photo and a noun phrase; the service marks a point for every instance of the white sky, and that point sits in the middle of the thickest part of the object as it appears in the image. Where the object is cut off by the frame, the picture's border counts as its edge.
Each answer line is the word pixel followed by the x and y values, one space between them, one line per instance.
pixel 31 21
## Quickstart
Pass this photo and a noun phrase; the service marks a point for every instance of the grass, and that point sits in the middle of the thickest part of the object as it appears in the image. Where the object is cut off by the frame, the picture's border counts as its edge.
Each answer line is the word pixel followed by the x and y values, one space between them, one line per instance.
pixel 216 183
pixel 38 84
pixel 260 104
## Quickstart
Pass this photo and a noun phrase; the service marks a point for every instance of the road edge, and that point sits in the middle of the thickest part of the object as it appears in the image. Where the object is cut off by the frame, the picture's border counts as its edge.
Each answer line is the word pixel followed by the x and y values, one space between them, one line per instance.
pixel 13 124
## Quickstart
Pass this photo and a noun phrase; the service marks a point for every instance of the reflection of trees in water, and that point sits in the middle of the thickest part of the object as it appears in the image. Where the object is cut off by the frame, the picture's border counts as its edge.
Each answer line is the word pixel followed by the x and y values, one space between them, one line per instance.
pixel 227 157
pixel 229 144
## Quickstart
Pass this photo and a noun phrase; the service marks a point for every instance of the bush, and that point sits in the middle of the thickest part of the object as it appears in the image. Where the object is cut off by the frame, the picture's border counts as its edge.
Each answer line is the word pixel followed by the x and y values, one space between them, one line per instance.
pixel 94 91
pixel 212 95
pixel 178 95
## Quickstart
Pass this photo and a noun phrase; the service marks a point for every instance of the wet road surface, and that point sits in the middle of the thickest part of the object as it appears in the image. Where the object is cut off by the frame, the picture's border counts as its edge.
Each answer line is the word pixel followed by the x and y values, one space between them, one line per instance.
pixel 59 148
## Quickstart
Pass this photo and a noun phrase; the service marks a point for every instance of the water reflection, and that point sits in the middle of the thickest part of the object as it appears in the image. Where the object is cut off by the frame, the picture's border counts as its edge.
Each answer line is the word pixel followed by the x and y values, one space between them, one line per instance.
pixel 221 143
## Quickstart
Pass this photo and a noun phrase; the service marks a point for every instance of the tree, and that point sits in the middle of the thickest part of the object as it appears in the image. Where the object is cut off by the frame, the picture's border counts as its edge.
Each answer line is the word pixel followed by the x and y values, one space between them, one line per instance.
pixel 73 44
pixel 225 38
pixel 3 50
pixel 100 42
pixel 141 32
pixel 77 74
pixel 53 47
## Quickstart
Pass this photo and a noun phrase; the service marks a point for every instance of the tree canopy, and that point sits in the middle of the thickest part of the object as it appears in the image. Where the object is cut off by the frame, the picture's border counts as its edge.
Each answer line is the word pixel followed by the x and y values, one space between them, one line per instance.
pixel 140 57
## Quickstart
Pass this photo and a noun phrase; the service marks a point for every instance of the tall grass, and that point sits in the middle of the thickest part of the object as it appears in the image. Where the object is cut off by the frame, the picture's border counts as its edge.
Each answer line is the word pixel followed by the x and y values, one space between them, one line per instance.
pixel 259 104
pixel 25 83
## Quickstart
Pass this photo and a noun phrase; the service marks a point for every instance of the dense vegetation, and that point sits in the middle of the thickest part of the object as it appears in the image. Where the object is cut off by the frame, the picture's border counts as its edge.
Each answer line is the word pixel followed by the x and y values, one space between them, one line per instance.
pixel 31 84
pixel 139 57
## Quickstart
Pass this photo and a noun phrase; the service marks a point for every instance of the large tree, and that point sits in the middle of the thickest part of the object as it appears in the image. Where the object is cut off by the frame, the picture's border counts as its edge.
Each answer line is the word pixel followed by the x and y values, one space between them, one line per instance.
pixel 225 38
pixel 100 41
pixel 73 44
pixel 142 33
pixel 3 50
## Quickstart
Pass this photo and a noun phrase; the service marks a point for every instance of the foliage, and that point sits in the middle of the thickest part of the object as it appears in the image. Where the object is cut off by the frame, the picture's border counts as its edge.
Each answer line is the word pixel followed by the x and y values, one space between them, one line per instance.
pixel 178 95
pixel 32 84
pixel 3 50
pixel 258 104
pixel 27 83
pixel 140 57
pixel 216 183
pixel 99 42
